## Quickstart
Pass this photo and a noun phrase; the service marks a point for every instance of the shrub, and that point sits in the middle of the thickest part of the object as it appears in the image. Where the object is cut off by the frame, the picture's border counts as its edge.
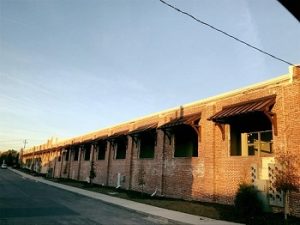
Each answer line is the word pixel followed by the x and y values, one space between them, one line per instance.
pixel 247 202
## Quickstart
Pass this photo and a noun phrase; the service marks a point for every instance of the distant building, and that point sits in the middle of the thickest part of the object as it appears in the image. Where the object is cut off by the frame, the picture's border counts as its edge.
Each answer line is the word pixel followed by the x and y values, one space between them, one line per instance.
pixel 200 151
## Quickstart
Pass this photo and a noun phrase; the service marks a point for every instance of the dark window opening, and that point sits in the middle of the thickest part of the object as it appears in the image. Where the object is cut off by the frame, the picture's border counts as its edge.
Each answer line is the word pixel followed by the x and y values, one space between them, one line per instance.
pixel 28 162
pixel 67 154
pixel 186 141
pixel 75 153
pixel 101 148
pixel 120 147
pixel 147 144
pixel 250 135
pixel 87 152
pixel 59 158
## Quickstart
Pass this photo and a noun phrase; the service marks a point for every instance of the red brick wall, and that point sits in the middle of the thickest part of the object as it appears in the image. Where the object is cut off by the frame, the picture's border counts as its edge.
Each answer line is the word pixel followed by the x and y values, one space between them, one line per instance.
pixel 291 115
pixel 150 168
pixel 100 167
pixel 57 165
pixel 212 176
pixel 121 166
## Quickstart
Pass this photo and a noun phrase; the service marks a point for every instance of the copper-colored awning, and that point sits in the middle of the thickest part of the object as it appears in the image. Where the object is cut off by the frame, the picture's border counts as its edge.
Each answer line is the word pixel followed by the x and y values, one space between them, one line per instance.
pixel 102 137
pixel 118 134
pixel 144 128
pixel 188 120
pixel 264 105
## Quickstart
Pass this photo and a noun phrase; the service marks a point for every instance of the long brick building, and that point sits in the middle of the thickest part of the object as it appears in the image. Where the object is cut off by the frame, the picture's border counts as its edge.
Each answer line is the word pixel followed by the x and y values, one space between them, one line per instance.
pixel 200 151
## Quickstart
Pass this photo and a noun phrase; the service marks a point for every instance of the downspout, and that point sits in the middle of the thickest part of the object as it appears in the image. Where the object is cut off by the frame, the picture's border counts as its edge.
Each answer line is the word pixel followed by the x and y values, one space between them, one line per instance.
pixel 214 157
pixel 48 164
pixel 61 163
pixel 93 146
pixel 54 166
pixel 163 164
pixel 79 162
pixel 154 193
pixel 69 162
pixel 131 163
pixel 32 162
pixel 108 161
pixel 285 138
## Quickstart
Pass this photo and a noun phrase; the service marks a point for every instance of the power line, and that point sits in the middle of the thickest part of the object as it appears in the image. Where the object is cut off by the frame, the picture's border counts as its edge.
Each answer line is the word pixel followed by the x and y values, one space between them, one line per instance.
pixel 227 34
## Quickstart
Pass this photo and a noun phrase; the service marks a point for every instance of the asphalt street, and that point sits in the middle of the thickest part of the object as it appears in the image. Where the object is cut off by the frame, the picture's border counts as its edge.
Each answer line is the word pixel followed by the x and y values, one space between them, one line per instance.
pixel 24 201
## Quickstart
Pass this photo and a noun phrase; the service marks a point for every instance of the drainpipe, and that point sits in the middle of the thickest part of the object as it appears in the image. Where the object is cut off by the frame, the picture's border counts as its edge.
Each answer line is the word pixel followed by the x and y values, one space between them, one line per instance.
pixel 93 146
pixel 131 163
pixel 163 164
pixel 32 162
pixel 154 193
pixel 79 162
pixel 48 163
pixel 54 166
pixel 214 161
pixel 110 144
pixel 69 161
pixel 61 163
pixel 118 181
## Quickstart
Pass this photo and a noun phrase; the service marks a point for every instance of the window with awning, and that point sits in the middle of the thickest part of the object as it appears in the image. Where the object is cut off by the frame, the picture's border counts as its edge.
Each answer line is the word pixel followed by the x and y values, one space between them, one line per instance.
pixel 87 151
pixel 147 141
pixel 145 138
pixel 101 149
pixel 185 131
pixel 75 152
pixel 120 146
pixel 251 125
pixel 119 142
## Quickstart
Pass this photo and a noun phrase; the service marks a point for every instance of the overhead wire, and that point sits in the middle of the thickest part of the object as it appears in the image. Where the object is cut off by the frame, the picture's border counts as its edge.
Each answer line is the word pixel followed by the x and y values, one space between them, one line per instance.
pixel 226 34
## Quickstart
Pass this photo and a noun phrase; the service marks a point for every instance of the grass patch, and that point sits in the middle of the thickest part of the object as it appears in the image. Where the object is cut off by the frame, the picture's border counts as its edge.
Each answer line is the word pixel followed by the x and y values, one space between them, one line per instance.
pixel 210 210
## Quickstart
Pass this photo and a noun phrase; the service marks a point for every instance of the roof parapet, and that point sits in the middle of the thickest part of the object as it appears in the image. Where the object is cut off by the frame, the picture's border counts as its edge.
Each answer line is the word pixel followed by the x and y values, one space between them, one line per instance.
pixel 294 71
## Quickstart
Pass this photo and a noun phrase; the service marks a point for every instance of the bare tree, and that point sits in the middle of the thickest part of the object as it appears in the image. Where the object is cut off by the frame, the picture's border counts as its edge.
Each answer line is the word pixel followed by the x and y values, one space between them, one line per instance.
pixel 92 172
pixel 287 176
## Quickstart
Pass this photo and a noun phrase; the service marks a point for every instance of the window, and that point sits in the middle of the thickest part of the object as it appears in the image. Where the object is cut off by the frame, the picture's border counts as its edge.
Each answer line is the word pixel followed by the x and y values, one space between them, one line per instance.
pixel 67 154
pixel 147 144
pixel 75 153
pixel 87 152
pixel 250 126
pixel 59 158
pixel 265 143
pixel 101 148
pixel 251 135
pixel 28 162
pixel 186 141
pixel 120 147
pixel 258 143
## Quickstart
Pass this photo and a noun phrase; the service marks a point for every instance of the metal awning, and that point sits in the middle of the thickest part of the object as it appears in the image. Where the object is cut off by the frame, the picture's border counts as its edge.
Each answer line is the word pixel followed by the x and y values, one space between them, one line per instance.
pixel 144 128
pixel 118 134
pixel 188 120
pixel 263 105
pixel 102 137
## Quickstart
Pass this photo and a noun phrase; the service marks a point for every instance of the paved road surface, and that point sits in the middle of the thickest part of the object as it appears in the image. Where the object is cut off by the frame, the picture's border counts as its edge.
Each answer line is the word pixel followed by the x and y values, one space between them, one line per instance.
pixel 23 201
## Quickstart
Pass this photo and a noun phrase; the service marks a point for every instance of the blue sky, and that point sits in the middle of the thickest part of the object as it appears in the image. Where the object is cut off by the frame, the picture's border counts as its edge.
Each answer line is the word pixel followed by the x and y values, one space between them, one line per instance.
pixel 70 67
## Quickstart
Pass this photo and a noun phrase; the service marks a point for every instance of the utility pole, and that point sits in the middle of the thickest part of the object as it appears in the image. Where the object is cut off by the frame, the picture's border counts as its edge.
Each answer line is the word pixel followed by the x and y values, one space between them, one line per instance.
pixel 21 153
pixel 25 142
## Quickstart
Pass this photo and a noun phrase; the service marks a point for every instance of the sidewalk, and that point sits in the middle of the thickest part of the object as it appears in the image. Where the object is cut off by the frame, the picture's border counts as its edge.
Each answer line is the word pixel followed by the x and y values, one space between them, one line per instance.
pixel 138 207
